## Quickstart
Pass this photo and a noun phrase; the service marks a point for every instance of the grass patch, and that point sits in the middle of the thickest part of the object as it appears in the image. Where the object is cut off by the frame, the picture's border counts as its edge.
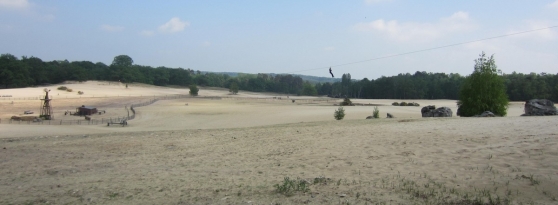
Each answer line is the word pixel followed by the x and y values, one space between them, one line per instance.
pixel 292 186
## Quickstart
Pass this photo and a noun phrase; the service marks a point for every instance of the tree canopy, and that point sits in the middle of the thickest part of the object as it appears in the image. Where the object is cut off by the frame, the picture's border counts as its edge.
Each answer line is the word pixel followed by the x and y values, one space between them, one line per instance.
pixel 484 90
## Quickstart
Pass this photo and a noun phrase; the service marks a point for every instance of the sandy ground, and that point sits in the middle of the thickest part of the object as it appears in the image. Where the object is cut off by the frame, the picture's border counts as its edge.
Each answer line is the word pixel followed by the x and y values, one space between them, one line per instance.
pixel 238 150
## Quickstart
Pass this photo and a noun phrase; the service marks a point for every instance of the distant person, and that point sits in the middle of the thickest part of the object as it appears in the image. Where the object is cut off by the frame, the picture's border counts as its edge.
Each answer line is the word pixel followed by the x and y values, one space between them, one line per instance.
pixel 331 72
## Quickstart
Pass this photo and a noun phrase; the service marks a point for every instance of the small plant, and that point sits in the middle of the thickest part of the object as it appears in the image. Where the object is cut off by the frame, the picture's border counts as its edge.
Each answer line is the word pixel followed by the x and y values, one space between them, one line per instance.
pixel 112 195
pixel 403 104
pixel 395 104
pixel 289 187
pixel 320 180
pixel 80 92
pixel 69 90
pixel 533 180
pixel 339 114
pixel 62 88
pixel 376 112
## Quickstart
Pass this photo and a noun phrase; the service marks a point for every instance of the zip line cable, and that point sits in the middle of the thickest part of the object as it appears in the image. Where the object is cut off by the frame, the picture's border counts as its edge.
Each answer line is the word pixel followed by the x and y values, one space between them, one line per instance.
pixel 428 49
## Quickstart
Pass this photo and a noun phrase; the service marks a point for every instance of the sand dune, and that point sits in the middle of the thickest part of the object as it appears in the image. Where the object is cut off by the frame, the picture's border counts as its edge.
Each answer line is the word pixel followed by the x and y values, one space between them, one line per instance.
pixel 238 149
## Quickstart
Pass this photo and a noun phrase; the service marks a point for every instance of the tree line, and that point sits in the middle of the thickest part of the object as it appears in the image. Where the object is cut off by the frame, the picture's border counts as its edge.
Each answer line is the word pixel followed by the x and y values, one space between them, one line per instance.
pixel 32 71
pixel 423 85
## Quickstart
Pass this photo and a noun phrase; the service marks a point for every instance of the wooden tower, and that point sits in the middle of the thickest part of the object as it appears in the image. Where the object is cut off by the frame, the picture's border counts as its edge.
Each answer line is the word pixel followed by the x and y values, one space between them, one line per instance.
pixel 46 111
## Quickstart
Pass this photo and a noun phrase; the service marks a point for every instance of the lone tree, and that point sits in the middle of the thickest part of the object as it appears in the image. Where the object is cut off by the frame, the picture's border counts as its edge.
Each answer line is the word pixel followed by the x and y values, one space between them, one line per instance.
pixel 484 90
pixel 194 90
pixel 233 88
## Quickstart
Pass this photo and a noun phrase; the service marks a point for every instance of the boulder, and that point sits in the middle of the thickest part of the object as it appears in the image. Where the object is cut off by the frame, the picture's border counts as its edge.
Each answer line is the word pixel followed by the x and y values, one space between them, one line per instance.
pixel 390 115
pixel 370 117
pixel 539 107
pixel 486 114
pixel 431 111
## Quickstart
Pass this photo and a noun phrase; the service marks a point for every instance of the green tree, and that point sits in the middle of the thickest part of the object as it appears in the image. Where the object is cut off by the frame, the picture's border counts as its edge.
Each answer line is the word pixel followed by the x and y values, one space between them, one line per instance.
pixel 484 90
pixel 233 88
pixel 339 114
pixel 122 60
pixel 309 90
pixel 194 90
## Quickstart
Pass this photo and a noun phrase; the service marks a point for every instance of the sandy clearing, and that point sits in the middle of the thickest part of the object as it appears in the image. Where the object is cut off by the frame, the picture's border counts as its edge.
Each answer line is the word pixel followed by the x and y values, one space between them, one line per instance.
pixel 234 151
pixel 363 160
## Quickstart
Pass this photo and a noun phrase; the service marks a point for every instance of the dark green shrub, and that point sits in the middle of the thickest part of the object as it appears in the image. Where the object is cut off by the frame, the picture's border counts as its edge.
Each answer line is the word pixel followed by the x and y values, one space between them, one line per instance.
pixel 403 104
pixel 62 88
pixel 194 90
pixel 346 102
pixel 395 104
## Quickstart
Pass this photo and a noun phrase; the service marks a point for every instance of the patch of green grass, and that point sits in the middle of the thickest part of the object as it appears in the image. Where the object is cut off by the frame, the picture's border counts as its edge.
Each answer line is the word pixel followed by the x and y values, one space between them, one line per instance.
pixel 291 186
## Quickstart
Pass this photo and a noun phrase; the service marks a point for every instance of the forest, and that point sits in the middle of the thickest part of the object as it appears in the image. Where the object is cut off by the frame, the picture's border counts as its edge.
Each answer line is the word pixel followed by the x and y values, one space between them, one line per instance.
pixel 32 71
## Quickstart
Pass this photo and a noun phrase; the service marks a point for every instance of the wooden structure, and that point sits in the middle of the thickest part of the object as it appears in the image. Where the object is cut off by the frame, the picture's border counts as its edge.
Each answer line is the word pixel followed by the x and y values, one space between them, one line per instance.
pixel 46 110
pixel 85 110
pixel 122 122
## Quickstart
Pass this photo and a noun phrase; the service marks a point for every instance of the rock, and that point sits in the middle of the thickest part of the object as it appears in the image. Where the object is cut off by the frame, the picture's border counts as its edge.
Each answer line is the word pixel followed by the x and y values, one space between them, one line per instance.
pixel 370 117
pixel 486 114
pixel 539 107
pixel 431 111
pixel 390 115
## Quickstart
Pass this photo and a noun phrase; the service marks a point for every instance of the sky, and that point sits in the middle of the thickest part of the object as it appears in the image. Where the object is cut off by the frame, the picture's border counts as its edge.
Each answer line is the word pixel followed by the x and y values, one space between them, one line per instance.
pixel 288 36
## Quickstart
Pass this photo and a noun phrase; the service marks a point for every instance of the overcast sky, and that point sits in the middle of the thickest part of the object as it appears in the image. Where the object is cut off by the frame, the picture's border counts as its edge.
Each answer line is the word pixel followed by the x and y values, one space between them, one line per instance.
pixel 286 36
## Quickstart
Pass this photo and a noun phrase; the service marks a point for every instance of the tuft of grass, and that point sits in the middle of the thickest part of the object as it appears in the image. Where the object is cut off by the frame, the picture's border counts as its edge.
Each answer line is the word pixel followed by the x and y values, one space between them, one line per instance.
pixel 291 186
pixel 112 195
